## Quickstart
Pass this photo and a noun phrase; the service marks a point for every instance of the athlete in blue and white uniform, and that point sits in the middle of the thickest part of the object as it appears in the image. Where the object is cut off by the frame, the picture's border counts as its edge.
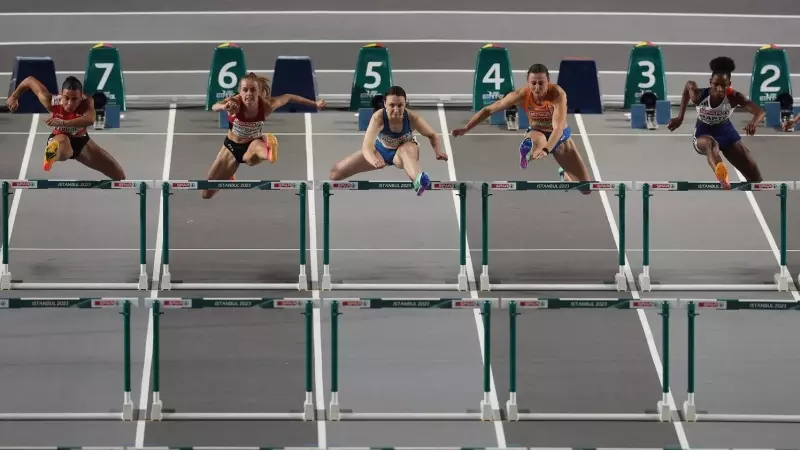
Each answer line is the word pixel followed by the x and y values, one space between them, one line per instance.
pixel 390 140
pixel 714 133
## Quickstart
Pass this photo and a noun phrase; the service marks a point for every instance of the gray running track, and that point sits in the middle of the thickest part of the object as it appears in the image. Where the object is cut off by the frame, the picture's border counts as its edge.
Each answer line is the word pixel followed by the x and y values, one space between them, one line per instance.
pixel 243 361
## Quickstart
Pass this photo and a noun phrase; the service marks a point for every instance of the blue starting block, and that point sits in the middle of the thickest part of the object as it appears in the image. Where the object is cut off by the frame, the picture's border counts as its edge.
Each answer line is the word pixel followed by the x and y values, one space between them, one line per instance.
pixel 773 117
pixel 295 75
pixel 364 116
pixel 41 68
pixel 223 119
pixel 580 80
pixel 106 115
pixel 638 114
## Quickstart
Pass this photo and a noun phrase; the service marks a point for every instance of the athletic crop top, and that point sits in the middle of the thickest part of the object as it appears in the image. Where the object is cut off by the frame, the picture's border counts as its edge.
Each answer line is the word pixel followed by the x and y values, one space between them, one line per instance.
pixel 57 111
pixel 389 138
pixel 714 116
pixel 248 127
pixel 540 116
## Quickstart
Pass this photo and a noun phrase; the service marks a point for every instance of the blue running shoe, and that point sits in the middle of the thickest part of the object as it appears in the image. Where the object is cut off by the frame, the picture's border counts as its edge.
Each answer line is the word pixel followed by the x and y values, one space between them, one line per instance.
pixel 561 173
pixel 422 182
pixel 524 150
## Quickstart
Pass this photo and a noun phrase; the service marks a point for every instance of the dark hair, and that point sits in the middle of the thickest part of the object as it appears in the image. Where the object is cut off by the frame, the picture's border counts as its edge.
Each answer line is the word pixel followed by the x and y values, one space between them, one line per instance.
pixel 377 102
pixel 722 65
pixel 72 83
pixel 395 90
pixel 539 68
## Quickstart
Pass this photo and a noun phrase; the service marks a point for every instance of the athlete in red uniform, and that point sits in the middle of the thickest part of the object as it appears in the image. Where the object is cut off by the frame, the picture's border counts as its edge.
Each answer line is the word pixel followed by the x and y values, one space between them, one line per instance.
pixel 245 141
pixel 71 112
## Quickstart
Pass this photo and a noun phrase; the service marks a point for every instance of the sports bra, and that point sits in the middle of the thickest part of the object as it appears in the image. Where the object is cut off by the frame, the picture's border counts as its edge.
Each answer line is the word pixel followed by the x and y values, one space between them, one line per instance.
pixel 714 116
pixel 392 139
pixel 540 116
pixel 248 127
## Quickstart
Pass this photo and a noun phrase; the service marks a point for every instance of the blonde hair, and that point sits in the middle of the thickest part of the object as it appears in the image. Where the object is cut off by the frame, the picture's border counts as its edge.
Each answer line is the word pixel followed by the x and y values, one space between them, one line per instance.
pixel 262 81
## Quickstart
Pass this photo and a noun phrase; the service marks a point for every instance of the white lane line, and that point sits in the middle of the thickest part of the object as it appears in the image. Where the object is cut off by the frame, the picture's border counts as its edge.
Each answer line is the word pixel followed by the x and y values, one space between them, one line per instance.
pixel 319 386
pixel 648 333
pixel 379 12
pixel 23 172
pixel 395 41
pixel 451 169
pixel 144 394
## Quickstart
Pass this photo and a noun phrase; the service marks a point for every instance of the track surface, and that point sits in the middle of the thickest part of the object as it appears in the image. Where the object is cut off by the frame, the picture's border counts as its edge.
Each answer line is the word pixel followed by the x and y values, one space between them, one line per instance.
pixel 251 360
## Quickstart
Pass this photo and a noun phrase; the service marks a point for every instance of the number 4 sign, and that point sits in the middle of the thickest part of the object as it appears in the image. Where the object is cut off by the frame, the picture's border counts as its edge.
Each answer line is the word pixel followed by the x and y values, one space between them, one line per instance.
pixel 645 73
pixel 493 77
pixel 228 66
pixel 104 73
pixel 770 76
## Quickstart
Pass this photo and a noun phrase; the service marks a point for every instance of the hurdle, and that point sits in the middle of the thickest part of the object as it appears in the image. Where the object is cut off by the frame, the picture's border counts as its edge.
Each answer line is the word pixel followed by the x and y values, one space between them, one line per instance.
pixel 335 413
pixel 157 412
pixel 264 185
pixel 662 412
pixel 781 279
pixel 690 411
pixel 82 303
pixel 6 280
pixel 620 283
pixel 328 186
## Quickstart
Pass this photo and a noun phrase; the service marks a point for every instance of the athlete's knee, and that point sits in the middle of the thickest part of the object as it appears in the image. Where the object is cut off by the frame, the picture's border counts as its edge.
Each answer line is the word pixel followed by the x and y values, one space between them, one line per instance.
pixel 408 148
pixel 207 194
pixel 337 171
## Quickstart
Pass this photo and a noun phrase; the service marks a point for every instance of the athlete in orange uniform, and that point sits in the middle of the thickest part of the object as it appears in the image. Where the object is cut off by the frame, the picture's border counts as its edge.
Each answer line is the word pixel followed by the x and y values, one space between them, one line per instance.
pixel 545 103
pixel 247 112
pixel 71 112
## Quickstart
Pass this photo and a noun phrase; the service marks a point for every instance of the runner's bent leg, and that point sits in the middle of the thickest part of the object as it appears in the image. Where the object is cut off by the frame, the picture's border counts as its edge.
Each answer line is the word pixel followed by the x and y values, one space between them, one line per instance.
pixel 58 149
pixel 739 156
pixel 97 158
pixel 352 164
pixel 407 158
pixel 708 146
pixel 223 168
pixel 265 149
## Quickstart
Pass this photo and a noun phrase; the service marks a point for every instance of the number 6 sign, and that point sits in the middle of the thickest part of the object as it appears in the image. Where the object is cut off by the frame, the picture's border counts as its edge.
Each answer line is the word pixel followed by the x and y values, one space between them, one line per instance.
pixel 228 66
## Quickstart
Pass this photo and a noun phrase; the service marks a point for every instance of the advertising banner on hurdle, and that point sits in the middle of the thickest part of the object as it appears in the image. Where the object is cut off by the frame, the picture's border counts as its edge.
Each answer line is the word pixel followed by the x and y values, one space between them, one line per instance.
pixel 157 411
pixel 485 305
pixel 780 280
pixel 82 303
pixel 329 186
pixel 140 186
pixel 300 187
pixel 620 187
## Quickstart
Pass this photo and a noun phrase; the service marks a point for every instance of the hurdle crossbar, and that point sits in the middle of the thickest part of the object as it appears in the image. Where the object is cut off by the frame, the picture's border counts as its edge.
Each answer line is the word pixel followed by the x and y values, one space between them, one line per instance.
pixel 662 412
pixel 620 282
pixel 82 303
pixel 689 410
pixel 486 413
pixel 167 283
pixel 6 280
pixel 328 186
pixel 780 280
pixel 157 407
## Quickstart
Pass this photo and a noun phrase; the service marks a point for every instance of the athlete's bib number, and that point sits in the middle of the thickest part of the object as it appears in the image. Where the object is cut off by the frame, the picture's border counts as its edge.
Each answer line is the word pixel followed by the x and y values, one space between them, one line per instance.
pixel 648 73
pixel 492 76
pixel 227 79
pixel 766 84
pixel 371 73
pixel 106 68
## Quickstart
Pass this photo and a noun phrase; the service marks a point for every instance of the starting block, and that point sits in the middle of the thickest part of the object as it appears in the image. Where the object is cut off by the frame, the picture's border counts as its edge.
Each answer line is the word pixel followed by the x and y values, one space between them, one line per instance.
pixel 781 111
pixel 365 114
pixel 650 112
pixel 103 76
pixel 511 118
pixel 41 68
pixel 581 81
pixel 295 75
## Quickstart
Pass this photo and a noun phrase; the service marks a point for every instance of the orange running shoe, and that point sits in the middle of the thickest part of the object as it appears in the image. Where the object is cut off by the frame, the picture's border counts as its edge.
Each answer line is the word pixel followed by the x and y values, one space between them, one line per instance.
pixel 272 148
pixel 50 154
pixel 721 171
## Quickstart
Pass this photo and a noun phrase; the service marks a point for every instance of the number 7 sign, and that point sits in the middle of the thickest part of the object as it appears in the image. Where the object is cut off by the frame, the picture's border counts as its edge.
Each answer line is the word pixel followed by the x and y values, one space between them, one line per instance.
pixel 104 73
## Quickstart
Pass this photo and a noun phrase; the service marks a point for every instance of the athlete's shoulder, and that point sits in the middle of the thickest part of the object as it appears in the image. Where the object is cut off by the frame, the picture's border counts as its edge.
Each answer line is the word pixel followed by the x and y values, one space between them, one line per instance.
pixel 555 92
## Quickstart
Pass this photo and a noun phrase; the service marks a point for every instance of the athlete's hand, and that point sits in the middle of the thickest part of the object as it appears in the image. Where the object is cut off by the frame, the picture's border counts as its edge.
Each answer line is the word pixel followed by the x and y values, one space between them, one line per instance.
pixel 538 154
pixel 750 129
pixel 441 156
pixel 376 162
pixel 459 132
pixel 53 122
pixel 321 104
pixel 13 103
pixel 674 123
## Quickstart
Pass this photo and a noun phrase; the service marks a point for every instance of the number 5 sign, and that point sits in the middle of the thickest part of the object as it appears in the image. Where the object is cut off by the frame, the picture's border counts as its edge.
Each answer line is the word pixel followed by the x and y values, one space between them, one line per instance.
pixel 227 69
pixel 770 75
pixel 104 73
pixel 493 78
pixel 645 73
pixel 373 75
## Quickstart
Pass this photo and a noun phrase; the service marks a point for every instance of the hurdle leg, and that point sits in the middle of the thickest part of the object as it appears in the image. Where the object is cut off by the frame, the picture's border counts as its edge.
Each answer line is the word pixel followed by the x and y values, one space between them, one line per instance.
pixel 462 273
pixel 511 405
pixel 663 408
pixel 308 404
pixel 644 277
pixel 143 279
pixel 5 274
pixel 333 409
pixel 326 234
pixel 127 402
pixel 302 279
pixel 486 404
pixel 485 284
pixel 689 408
pixel 157 407
pixel 782 278
pixel 619 278
pixel 166 277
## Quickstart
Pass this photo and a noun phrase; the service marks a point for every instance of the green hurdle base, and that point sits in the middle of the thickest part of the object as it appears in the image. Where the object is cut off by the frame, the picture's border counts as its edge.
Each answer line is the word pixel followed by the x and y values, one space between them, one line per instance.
pixel 690 412
pixel 485 411
pixel 662 412
pixel 125 304
pixel 140 186
pixel 157 407
pixel 780 280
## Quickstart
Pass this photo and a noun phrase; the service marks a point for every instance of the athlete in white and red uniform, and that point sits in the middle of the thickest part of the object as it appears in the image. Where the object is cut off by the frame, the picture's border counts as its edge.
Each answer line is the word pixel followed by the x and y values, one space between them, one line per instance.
pixel 245 141
pixel 71 112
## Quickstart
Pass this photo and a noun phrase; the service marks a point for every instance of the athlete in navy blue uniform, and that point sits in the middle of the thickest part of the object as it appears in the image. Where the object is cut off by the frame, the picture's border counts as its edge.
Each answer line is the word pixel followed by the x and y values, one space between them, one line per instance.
pixel 390 140
pixel 714 133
